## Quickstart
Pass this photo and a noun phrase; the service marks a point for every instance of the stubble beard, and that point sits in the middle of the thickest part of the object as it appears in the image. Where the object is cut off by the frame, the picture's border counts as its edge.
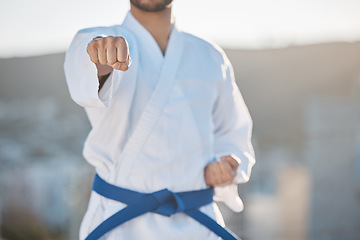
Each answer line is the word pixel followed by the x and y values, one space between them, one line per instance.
pixel 151 7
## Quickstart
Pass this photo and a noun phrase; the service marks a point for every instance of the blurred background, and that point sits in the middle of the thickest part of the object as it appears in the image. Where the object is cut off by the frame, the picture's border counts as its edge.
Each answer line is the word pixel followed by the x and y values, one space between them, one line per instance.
pixel 297 64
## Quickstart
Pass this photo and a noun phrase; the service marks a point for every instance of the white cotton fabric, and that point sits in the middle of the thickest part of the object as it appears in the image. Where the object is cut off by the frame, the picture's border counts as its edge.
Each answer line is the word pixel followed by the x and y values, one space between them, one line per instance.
pixel 204 117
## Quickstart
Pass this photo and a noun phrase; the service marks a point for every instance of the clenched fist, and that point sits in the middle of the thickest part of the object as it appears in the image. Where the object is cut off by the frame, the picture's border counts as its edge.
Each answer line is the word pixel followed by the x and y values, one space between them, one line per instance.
pixel 223 172
pixel 109 53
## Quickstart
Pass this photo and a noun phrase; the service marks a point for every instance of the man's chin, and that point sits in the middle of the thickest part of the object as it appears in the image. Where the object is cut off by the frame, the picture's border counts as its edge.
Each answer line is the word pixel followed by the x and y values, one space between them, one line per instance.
pixel 151 7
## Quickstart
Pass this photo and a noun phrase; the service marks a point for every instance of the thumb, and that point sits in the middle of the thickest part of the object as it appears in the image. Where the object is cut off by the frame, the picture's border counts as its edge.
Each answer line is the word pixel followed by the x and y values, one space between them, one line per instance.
pixel 123 66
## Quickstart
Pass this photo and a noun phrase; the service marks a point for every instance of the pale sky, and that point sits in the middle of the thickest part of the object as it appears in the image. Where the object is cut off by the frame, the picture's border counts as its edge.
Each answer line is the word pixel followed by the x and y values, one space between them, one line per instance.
pixel 43 26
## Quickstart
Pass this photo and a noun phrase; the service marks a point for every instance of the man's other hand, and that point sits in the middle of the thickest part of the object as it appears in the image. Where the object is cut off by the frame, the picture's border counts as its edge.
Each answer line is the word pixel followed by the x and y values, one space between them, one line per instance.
pixel 221 173
pixel 109 53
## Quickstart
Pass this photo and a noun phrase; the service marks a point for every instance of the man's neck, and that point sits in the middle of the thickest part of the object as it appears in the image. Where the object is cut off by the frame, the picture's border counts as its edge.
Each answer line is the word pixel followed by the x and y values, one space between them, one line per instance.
pixel 157 23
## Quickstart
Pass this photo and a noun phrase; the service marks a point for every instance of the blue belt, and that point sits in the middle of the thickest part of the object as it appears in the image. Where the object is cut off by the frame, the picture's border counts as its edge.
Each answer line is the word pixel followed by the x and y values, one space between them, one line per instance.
pixel 163 202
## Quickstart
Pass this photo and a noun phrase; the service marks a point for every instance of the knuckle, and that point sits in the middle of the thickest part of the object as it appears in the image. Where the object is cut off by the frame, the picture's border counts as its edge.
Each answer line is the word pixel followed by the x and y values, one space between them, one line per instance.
pixel 99 42
pixel 212 168
pixel 120 40
pixel 110 40
pixel 90 47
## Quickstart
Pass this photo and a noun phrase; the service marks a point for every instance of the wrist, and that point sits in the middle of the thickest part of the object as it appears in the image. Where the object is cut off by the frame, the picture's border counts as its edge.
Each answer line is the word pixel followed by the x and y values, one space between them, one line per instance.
pixel 102 80
pixel 103 70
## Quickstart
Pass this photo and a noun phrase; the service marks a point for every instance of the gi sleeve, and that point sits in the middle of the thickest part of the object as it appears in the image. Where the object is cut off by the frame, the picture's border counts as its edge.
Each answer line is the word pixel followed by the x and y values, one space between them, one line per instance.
pixel 81 73
pixel 232 134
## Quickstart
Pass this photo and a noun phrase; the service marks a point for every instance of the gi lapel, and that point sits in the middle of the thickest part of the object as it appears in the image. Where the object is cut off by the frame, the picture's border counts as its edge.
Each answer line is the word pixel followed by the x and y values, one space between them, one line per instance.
pixel 153 107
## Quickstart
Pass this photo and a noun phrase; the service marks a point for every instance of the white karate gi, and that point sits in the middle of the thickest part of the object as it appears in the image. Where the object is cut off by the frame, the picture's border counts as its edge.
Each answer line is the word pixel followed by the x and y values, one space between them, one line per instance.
pixel 137 143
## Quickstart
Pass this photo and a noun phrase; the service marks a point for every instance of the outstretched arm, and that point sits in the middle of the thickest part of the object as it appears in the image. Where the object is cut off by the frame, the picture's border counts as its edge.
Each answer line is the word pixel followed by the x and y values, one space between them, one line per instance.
pixel 89 64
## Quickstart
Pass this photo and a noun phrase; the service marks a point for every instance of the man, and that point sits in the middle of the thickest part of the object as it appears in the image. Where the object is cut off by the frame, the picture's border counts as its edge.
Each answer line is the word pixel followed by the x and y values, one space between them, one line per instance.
pixel 168 124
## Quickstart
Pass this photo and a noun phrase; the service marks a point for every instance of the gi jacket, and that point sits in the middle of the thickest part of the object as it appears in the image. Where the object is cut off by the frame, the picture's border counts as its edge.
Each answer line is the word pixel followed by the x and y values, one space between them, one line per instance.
pixel 159 124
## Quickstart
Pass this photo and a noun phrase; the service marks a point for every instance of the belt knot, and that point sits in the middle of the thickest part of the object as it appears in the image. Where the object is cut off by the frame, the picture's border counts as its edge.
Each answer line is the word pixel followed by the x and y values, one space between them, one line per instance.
pixel 169 202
